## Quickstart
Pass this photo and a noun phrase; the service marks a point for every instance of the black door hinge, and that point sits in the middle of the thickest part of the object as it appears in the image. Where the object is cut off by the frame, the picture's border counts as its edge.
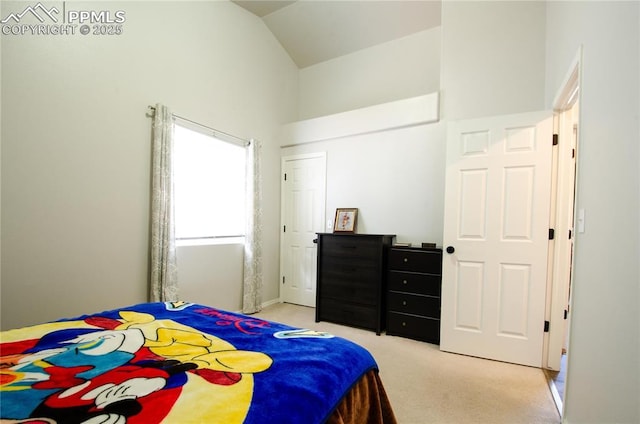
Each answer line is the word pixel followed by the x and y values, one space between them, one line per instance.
pixel 546 326
pixel 566 313
pixel 555 139
pixel 284 228
pixel 285 177
pixel 283 279
pixel 552 233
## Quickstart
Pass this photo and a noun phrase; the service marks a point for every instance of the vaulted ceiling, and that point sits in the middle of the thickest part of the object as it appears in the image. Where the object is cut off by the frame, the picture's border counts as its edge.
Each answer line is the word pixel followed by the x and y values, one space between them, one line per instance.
pixel 313 31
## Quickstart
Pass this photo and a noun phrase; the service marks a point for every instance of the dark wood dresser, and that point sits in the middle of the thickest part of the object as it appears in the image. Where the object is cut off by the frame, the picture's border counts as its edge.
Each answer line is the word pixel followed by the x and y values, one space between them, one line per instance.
pixel 351 278
pixel 413 293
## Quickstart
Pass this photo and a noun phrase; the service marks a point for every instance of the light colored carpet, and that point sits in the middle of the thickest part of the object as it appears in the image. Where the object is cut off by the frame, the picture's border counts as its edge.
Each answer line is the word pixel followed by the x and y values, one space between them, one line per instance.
pixel 426 385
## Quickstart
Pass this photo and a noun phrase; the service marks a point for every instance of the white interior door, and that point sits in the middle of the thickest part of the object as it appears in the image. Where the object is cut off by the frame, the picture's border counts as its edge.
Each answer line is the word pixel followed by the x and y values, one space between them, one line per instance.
pixel 497 206
pixel 303 212
pixel 564 225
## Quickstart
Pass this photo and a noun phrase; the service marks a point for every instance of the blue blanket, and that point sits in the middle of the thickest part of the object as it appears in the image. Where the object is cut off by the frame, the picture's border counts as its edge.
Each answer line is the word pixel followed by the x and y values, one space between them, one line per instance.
pixel 175 363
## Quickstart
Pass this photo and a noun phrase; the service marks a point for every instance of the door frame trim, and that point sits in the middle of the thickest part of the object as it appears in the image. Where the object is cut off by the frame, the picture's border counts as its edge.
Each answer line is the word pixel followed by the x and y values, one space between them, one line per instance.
pixel 568 95
pixel 564 100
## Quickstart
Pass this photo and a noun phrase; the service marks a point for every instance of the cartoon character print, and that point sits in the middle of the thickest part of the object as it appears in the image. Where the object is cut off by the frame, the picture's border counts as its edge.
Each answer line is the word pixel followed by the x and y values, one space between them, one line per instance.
pixel 60 366
pixel 108 373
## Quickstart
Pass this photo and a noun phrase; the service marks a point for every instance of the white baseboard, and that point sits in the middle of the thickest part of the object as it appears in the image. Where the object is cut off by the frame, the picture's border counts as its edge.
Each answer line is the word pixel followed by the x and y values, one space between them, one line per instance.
pixel 270 302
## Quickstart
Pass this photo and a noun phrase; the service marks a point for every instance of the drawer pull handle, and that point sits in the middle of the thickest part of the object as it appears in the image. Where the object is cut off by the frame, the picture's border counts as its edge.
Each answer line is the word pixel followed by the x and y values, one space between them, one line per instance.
pixel 406 260
pixel 404 324
pixel 404 281
pixel 404 303
pixel 346 246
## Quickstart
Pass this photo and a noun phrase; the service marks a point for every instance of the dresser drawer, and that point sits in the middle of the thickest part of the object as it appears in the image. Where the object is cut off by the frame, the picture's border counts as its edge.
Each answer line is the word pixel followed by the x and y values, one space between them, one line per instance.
pixel 414 327
pixel 347 266
pixel 347 313
pixel 414 304
pixel 429 261
pixel 412 282
pixel 356 290
pixel 351 247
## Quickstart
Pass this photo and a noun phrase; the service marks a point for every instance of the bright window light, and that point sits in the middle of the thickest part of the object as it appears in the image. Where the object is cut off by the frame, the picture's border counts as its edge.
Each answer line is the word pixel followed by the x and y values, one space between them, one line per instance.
pixel 209 184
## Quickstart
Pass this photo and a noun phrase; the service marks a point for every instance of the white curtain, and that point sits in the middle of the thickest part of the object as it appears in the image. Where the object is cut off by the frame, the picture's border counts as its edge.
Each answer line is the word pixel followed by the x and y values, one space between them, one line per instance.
pixel 164 279
pixel 252 284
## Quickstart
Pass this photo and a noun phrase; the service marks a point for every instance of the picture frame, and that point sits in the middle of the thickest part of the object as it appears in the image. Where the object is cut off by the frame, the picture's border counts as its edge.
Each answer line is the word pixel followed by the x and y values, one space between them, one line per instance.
pixel 346 220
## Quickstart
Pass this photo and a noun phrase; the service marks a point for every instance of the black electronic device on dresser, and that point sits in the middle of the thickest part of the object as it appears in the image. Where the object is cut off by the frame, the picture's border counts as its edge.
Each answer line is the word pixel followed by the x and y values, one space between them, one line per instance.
pixel 414 284
pixel 351 278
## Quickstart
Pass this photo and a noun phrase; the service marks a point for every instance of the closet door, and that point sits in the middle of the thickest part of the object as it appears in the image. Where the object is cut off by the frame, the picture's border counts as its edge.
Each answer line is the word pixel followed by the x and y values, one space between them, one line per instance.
pixel 303 209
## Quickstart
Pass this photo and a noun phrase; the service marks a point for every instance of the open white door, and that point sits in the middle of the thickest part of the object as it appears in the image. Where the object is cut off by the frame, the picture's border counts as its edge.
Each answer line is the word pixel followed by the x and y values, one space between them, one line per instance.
pixel 496 236
pixel 303 212
pixel 567 108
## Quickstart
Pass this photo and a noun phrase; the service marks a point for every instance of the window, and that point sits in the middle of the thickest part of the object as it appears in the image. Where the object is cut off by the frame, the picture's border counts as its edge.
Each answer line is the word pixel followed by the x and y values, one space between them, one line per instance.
pixel 209 184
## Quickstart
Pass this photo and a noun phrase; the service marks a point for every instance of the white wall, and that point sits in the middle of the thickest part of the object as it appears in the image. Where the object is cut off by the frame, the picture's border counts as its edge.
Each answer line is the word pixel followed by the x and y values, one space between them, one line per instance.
pixel 76 145
pixel 402 68
pixel 395 178
pixel 492 58
pixel 603 381
pixel 212 275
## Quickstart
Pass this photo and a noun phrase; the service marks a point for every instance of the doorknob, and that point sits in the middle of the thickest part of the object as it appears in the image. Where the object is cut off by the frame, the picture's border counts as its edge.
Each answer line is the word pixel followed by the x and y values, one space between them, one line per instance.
pixel 450 249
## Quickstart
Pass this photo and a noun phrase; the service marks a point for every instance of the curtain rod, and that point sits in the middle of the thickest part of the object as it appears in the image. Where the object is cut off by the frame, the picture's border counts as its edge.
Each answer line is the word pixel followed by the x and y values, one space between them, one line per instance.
pixel 231 138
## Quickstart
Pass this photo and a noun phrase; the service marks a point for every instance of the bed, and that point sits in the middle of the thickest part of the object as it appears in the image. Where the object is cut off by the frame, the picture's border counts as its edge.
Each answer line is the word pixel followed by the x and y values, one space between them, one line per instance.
pixel 177 362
